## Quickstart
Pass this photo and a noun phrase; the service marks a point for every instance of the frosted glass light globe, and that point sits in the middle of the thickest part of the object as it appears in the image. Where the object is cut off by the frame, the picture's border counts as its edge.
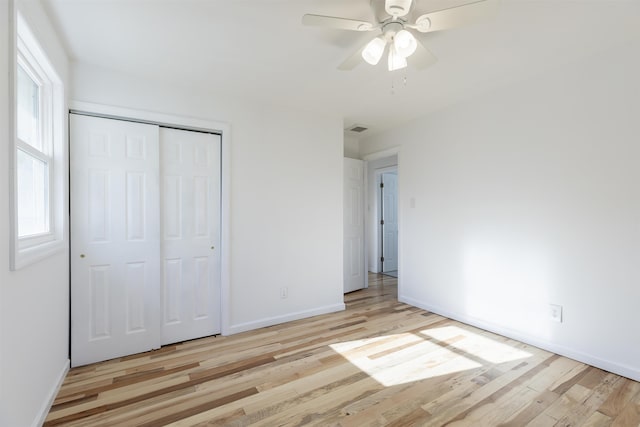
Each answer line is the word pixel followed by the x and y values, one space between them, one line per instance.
pixel 373 50
pixel 405 43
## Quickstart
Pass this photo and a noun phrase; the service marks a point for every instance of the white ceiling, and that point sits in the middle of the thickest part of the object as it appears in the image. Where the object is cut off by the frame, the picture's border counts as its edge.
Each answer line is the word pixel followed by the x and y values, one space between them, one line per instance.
pixel 258 49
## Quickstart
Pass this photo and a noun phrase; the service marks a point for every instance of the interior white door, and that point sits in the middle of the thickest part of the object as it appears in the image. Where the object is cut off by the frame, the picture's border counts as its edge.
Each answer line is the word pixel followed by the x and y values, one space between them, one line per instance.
pixel 115 239
pixel 354 269
pixel 190 165
pixel 390 226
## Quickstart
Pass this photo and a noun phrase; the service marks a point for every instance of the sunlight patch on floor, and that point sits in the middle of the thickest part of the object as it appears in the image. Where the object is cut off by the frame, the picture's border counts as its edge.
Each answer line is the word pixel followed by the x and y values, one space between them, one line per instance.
pixel 481 347
pixel 403 358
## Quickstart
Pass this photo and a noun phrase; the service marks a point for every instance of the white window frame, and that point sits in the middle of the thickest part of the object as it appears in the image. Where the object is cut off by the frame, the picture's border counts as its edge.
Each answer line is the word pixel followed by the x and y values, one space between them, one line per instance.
pixel 30 56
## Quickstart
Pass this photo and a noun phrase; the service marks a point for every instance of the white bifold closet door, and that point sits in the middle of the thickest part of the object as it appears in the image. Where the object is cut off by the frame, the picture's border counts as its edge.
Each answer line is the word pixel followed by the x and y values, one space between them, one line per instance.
pixel 353 251
pixel 190 164
pixel 115 238
pixel 144 265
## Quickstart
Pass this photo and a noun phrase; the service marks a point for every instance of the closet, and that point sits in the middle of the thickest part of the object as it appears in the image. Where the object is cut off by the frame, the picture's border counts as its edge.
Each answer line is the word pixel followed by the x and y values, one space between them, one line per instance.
pixel 145 233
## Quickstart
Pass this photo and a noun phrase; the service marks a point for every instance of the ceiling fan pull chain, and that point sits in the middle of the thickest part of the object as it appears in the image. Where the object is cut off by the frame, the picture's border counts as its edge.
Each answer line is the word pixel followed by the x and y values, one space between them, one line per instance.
pixel 402 80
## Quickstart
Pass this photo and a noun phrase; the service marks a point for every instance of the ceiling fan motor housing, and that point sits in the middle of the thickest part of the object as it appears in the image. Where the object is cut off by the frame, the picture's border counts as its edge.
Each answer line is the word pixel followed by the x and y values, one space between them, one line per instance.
pixel 397 7
pixel 390 29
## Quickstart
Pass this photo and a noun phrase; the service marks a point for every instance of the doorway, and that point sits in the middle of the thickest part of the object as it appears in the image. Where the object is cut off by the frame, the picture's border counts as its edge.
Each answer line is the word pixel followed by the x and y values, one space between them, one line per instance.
pixel 382 230
pixel 388 213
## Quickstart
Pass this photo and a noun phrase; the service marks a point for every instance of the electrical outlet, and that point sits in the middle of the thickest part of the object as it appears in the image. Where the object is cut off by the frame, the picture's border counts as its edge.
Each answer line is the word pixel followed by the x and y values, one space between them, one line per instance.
pixel 555 312
pixel 284 292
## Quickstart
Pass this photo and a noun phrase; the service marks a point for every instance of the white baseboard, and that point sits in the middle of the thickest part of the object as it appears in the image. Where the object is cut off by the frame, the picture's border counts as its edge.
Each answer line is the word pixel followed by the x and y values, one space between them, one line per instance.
pixel 270 321
pixel 607 365
pixel 44 411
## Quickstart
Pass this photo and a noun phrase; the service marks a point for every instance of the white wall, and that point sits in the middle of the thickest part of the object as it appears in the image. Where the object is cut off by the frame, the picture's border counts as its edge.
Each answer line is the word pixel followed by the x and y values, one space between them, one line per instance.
pixel 373 215
pixel 4 196
pixel 351 147
pixel 34 300
pixel 527 196
pixel 286 194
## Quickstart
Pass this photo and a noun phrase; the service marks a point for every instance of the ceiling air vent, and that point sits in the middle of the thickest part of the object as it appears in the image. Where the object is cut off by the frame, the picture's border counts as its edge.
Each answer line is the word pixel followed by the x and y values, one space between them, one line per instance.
pixel 358 129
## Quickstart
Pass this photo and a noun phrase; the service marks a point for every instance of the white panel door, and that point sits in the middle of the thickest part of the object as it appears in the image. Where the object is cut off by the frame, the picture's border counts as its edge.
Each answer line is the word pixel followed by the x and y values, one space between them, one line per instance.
pixel 390 227
pixel 190 197
pixel 353 251
pixel 115 239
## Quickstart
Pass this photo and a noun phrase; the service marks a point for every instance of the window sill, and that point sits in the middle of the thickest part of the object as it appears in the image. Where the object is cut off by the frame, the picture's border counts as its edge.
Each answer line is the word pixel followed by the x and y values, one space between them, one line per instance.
pixel 27 256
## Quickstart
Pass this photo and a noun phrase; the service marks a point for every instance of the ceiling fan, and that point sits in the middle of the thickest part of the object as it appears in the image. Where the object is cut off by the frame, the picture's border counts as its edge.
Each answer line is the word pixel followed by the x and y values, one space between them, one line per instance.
pixel 395 27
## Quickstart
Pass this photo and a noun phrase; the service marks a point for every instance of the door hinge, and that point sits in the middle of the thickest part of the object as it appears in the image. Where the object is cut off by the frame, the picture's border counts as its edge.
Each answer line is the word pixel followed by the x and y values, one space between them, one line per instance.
pixel 382 185
pixel 382 222
pixel 382 259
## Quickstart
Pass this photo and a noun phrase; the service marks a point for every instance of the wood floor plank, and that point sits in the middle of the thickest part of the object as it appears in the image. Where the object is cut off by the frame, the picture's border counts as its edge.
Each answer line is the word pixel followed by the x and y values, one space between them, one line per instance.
pixel 455 406
pixel 602 386
pixel 534 407
pixel 378 363
pixel 570 399
pixel 629 416
pixel 597 419
pixel 625 392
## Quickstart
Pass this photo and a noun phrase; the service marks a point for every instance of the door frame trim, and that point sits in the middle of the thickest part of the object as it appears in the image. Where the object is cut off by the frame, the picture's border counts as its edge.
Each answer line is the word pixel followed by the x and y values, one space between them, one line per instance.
pixel 193 124
pixel 388 152
pixel 379 203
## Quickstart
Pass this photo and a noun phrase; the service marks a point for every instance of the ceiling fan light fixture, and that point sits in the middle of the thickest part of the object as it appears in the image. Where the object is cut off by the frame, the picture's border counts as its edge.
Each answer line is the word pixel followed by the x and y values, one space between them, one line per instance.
pixel 398 27
pixel 373 50
pixel 404 43
pixel 396 61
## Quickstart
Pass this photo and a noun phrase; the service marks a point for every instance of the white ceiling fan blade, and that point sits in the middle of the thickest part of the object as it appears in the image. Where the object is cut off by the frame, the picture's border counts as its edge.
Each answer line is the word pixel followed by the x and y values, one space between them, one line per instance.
pixel 353 60
pixel 456 16
pixel 422 57
pixel 339 23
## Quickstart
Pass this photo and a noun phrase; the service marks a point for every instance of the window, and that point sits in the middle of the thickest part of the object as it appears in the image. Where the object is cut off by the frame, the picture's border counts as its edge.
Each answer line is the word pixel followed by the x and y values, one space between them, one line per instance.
pixel 38 163
pixel 33 157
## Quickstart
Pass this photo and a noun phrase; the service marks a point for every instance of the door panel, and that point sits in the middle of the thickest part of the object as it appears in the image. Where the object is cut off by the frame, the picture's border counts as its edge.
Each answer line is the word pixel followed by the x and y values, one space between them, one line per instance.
pixel 354 277
pixel 115 238
pixel 190 164
pixel 390 228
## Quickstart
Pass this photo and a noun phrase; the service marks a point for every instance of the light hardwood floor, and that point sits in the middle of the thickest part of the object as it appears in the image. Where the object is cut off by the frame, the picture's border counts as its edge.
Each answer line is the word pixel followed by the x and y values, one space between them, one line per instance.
pixel 380 362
